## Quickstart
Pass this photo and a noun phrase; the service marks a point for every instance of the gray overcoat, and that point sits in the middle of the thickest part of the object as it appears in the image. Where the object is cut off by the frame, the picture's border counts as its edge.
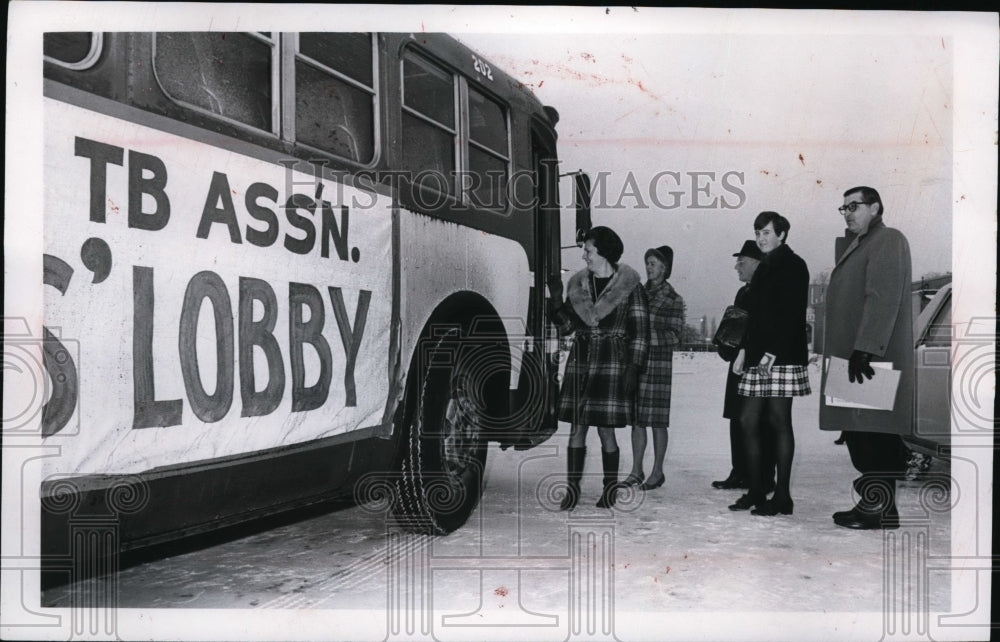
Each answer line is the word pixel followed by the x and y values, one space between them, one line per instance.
pixel 868 308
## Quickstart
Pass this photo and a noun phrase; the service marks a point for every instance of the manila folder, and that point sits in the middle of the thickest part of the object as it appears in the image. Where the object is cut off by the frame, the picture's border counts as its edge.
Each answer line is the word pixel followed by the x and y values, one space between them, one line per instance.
pixel 878 393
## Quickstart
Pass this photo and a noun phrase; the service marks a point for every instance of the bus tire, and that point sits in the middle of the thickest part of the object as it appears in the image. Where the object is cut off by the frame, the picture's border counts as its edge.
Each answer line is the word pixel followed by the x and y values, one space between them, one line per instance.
pixel 443 446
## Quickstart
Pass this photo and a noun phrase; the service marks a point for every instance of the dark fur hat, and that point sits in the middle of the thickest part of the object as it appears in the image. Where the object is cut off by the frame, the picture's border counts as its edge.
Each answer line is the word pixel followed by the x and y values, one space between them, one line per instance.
pixel 607 242
pixel 666 254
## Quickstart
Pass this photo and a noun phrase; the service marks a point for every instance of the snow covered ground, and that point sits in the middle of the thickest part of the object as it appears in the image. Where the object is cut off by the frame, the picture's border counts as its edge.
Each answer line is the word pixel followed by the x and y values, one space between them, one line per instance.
pixel 670 563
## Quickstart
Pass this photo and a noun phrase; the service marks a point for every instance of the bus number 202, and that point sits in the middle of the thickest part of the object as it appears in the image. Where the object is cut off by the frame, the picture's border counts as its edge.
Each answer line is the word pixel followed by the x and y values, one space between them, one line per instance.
pixel 482 67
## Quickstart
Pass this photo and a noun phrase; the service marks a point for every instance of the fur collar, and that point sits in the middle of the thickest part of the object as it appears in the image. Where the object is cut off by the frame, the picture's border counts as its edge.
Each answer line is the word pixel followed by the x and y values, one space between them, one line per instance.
pixel 623 281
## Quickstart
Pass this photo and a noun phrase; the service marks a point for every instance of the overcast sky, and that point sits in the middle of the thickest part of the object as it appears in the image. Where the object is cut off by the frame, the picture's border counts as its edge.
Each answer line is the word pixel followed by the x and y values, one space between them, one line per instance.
pixel 791 107
pixel 798 118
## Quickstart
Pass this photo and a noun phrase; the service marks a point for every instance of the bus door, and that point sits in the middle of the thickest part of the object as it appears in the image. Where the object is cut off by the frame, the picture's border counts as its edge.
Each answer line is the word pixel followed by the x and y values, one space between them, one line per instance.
pixel 534 402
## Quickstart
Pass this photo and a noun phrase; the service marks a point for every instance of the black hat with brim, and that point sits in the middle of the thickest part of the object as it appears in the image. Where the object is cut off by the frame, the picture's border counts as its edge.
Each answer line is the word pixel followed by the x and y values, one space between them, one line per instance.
pixel 751 250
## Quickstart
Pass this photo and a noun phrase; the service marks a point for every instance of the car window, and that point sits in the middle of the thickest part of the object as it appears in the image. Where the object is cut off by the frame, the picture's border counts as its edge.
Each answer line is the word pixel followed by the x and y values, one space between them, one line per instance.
pixel 939 332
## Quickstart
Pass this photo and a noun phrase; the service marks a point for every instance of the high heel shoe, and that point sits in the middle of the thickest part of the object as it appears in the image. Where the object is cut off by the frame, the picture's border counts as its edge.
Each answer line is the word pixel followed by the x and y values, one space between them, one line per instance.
pixel 650 486
pixel 634 480
pixel 773 507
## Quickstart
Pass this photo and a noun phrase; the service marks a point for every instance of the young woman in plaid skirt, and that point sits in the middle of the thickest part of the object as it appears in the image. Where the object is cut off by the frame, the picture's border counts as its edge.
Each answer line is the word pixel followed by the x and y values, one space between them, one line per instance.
pixel 666 323
pixel 606 310
pixel 772 361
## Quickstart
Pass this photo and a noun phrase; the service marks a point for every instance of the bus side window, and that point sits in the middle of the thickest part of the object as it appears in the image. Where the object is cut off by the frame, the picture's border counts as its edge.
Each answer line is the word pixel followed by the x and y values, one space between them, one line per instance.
pixel 429 124
pixel 73 50
pixel 225 74
pixel 488 151
pixel 335 94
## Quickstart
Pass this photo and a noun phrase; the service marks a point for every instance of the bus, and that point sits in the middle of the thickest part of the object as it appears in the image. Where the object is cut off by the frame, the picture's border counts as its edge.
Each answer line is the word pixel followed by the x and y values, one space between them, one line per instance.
pixel 286 268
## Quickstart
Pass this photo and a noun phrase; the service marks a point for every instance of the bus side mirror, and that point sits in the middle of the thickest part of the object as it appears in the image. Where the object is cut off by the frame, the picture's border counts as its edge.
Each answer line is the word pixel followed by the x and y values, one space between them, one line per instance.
pixel 582 199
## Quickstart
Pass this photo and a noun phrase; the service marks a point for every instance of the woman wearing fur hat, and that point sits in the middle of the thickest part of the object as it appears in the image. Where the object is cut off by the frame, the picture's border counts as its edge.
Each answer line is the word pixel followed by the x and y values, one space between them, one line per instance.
pixel 666 323
pixel 606 308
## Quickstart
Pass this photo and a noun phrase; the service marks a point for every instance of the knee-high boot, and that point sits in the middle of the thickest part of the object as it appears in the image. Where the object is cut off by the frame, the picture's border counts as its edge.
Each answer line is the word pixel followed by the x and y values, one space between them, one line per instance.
pixel 610 462
pixel 574 472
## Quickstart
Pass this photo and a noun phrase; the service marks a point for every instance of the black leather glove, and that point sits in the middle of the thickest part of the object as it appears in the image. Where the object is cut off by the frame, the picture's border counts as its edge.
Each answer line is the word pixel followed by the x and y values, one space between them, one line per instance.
pixel 727 353
pixel 631 378
pixel 860 364
pixel 555 286
pixel 555 293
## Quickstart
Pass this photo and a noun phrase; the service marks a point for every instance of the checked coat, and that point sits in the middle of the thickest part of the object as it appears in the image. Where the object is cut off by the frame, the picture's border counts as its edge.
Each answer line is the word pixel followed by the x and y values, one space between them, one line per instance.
pixel 611 332
pixel 666 322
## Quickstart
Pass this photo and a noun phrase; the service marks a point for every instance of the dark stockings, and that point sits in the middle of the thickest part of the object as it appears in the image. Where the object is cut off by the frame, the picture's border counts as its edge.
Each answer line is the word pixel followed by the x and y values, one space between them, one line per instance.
pixel 774 413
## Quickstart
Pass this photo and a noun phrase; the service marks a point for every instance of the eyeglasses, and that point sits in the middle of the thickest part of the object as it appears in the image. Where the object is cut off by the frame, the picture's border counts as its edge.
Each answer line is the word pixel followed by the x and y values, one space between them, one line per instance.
pixel 853 205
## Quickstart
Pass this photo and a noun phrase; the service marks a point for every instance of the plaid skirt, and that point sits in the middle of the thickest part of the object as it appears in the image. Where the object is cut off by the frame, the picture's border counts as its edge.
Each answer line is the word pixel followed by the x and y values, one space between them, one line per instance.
pixel 785 381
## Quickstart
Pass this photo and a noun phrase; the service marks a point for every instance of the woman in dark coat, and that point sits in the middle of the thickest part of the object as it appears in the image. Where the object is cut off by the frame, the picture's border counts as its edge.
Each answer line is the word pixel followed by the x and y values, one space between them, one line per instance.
pixel 666 322
pixel 773 361
pixel 606 309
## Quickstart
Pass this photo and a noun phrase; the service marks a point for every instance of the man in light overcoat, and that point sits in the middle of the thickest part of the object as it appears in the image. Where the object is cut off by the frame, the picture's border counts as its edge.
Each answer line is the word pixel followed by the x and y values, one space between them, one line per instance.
pixel 869 318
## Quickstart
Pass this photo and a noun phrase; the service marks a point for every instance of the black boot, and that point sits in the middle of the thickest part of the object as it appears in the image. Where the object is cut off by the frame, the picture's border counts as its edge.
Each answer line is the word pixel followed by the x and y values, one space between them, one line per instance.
pixel 735 480
pixel 574 472
pixel 876 510
pixel 883 516
pixel 608 496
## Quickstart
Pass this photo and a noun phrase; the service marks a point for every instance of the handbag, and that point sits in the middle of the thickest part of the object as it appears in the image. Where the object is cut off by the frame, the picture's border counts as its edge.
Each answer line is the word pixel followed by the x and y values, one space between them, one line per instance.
pixel 729 334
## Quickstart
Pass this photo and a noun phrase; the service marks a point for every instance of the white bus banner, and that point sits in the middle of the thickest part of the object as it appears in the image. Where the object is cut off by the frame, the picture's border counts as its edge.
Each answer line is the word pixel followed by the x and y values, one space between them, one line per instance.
pixel 200 303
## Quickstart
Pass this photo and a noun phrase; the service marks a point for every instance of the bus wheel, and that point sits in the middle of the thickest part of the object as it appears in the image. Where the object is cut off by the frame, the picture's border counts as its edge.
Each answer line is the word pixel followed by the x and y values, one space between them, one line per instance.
pixel 444 452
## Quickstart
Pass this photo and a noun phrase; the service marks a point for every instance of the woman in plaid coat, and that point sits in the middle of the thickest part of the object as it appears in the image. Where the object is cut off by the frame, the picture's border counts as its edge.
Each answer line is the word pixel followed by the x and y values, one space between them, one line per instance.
pixel 772 361
pixel 666 323
pixel 606 310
